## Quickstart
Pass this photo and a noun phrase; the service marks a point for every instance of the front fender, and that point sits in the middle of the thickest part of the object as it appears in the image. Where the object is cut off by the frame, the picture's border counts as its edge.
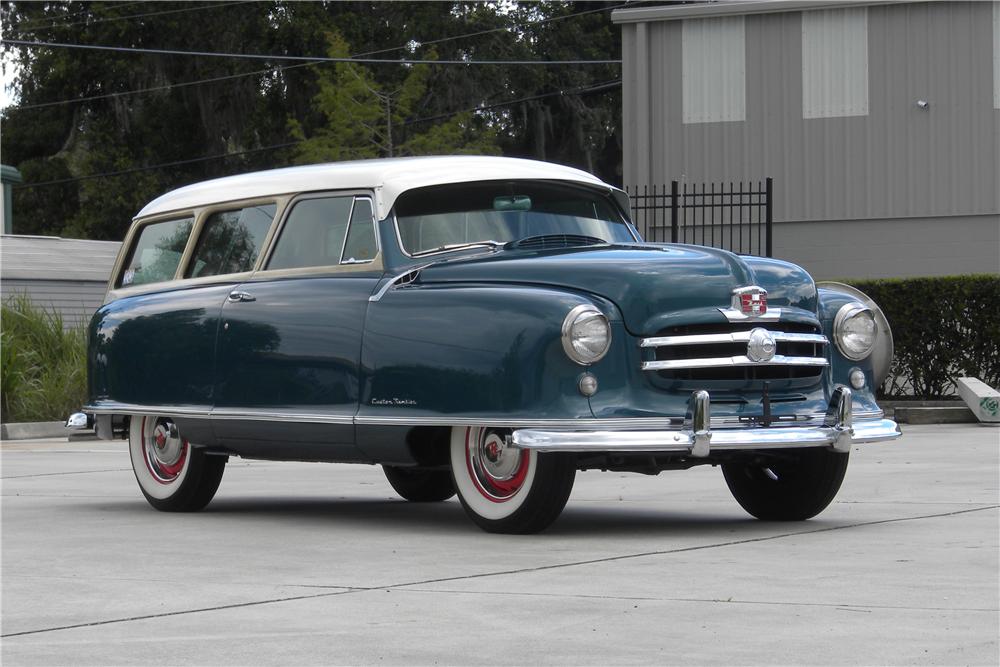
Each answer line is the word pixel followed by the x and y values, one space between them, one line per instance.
pixel 831 301
pixel 448 353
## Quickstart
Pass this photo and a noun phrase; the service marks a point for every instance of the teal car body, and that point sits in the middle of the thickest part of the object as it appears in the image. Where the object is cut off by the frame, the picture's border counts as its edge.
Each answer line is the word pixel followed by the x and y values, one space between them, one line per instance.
pixel 379 356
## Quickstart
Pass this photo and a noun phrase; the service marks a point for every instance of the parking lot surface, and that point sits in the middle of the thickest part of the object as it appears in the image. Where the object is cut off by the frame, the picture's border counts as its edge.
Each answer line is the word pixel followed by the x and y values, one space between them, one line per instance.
pixel 308 563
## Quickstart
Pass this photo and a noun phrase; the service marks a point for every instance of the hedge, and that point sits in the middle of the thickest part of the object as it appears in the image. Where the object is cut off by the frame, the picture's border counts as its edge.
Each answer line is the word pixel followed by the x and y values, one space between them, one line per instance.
pixel 943 328
pixel 43 367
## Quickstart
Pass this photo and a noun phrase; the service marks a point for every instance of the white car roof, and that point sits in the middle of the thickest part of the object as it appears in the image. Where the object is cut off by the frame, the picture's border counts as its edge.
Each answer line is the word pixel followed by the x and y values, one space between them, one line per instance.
pixel 388 177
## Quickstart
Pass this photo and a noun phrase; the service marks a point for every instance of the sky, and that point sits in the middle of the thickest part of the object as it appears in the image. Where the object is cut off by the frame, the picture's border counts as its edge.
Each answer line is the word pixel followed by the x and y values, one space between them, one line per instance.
pixel 7 95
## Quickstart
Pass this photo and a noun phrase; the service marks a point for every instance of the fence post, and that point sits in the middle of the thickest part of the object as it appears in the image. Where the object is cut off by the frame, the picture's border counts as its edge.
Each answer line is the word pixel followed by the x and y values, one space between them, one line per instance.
pixel 768 206
pixel 673 212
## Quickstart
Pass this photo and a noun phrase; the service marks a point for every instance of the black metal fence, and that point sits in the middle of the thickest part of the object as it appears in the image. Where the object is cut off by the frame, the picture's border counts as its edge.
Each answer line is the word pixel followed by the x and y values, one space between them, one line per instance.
pixel 733 216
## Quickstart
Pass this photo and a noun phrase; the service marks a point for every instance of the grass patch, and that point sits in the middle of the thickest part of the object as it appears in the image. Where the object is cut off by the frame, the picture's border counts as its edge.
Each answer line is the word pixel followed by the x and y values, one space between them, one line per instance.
pixel 43 367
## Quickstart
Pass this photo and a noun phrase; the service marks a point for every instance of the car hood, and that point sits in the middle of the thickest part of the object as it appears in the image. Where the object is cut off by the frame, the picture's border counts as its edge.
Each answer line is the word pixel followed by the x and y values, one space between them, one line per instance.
pixel 652 285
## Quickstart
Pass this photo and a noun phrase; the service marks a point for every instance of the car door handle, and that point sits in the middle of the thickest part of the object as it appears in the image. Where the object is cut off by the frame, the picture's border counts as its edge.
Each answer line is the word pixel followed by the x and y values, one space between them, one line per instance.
pixel 237 297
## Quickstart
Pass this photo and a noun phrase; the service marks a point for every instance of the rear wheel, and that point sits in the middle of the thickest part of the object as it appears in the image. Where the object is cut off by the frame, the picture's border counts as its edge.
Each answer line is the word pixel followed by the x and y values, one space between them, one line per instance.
pixel 173 475
pixel 420 486
pixel 787 489
pixel 508 490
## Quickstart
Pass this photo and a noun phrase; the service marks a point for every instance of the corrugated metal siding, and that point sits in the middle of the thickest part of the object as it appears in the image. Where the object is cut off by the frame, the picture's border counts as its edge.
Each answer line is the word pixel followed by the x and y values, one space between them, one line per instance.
pixel 50 257
pixel 74 301
pixel 896 162
pixel 996 55
pixel 835 63
pixel 713 69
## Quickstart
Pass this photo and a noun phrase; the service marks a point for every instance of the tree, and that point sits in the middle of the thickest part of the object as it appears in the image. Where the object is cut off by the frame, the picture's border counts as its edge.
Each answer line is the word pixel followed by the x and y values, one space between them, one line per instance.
pixel 362 119
pixel 192 110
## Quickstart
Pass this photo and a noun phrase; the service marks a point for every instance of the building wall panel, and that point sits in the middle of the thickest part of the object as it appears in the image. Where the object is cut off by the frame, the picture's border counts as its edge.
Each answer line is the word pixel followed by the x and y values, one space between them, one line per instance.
pixel 900 160
pixel 713 70
pixel 835 62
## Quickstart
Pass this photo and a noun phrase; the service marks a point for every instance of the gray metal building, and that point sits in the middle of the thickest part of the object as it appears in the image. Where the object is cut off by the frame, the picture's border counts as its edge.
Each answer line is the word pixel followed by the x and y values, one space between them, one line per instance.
pixel 879 122
pixel 67 276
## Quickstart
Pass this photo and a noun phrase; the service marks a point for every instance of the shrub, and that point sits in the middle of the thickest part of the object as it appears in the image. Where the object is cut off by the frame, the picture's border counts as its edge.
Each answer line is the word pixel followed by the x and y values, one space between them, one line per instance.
pixel 43 367
pixel 942 328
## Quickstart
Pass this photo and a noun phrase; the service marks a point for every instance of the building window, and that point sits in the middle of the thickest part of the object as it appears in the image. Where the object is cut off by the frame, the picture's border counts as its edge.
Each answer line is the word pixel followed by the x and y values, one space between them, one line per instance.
pixel 835 63
pixel 713 69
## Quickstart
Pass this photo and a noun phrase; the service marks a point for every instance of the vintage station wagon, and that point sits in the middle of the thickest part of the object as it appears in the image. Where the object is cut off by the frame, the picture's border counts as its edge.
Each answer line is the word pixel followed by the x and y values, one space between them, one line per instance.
pixel 480 326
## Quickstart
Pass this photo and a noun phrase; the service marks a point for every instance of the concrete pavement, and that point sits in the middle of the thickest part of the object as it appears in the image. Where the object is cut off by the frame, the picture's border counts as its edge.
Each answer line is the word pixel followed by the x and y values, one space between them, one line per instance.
pixel 297 563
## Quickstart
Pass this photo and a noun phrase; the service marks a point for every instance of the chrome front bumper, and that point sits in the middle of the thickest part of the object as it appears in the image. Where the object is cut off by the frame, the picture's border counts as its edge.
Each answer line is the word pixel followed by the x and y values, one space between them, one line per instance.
pixel 838 431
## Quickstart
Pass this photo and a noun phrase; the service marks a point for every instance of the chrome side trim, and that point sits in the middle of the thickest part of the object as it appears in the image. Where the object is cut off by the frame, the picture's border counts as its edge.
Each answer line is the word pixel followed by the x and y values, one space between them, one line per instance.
pixel 305 418
pixel 733 315
pixel 208 413
pixel 446 420
pixel 735 337
pixel 599 424
pixel 724 362
pixel 399 279
pixel 114 408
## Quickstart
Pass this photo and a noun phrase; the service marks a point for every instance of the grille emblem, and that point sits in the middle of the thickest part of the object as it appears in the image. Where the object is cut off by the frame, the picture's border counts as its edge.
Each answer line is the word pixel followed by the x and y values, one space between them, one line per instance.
pixel 761 346
pixel 750 301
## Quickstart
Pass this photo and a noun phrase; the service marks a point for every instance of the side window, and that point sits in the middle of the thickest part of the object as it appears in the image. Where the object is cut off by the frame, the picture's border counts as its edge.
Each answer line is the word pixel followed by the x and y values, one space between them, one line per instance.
pixel 360 246
pixel 231 240
pixel 157 252
pixel 315 233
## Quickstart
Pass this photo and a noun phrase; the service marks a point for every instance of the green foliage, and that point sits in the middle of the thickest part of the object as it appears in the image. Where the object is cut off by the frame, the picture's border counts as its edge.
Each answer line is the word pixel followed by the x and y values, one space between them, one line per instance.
pixel 364 120
pixel 43 376
pixel 942 328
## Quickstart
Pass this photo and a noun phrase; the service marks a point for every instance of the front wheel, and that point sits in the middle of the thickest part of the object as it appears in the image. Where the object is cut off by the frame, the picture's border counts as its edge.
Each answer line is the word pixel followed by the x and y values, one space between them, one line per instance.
pixel 504 489
pixel 796 487
pixel 173 475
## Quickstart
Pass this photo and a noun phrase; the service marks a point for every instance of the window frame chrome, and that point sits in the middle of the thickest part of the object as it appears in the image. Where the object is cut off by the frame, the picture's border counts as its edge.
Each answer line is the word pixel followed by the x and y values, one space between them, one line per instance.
pixel 376 262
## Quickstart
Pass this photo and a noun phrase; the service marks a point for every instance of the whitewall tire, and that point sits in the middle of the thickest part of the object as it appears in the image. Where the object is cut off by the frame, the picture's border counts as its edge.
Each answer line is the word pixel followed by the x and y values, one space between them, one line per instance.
pixel 504 489
pixel 173 475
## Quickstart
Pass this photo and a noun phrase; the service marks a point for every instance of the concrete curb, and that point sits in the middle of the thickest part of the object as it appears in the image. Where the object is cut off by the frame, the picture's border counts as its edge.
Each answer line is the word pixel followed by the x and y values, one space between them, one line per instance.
pixel 35 430
pixel 957 414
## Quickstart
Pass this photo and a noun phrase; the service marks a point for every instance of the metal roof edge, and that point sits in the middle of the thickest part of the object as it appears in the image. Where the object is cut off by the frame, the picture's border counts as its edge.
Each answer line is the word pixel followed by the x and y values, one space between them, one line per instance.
pixel 739 8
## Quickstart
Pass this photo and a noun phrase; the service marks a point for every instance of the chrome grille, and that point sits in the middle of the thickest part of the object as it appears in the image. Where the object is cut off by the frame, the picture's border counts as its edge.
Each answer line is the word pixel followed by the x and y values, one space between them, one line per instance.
pixel 719 352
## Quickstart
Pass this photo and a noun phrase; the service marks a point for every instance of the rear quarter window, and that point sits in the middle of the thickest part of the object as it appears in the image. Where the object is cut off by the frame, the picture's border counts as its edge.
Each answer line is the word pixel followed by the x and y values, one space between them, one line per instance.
pixel 157 252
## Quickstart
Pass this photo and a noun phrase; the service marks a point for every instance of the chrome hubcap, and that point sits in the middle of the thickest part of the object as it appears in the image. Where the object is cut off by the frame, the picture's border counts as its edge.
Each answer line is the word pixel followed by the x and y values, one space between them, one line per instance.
pixel 164 449
pixel 497 469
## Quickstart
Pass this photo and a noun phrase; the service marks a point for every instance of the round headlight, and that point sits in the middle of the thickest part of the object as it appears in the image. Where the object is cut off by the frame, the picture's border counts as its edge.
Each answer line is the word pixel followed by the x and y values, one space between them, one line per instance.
pixel 586 335
pixel 855 331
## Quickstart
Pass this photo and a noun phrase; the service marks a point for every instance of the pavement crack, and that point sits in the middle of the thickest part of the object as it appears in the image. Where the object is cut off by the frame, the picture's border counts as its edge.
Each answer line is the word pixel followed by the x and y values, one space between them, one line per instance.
pixel 75 472
pixel 701 547
pixel 180 612
pixel 646 598
pixel 540 568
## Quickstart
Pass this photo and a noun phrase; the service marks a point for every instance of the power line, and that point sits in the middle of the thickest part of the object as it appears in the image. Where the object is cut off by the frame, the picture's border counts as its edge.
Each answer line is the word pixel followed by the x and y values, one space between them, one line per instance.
pixel 135 16
pixel 168 86
pixel 526 24
pixel 579 91
pixel 310 59
pixel 82 11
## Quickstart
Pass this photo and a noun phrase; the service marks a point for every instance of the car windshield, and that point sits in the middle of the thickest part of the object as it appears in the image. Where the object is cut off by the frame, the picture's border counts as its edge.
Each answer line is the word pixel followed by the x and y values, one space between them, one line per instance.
pixel 460 214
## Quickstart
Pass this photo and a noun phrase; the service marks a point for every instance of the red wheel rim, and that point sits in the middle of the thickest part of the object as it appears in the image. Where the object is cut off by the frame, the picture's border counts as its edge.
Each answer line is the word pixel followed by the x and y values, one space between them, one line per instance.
pixel 163 450
pixel 497 470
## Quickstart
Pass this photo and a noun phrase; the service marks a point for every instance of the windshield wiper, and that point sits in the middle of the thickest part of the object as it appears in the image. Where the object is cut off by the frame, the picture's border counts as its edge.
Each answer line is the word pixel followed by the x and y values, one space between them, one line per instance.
pixel 455 246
